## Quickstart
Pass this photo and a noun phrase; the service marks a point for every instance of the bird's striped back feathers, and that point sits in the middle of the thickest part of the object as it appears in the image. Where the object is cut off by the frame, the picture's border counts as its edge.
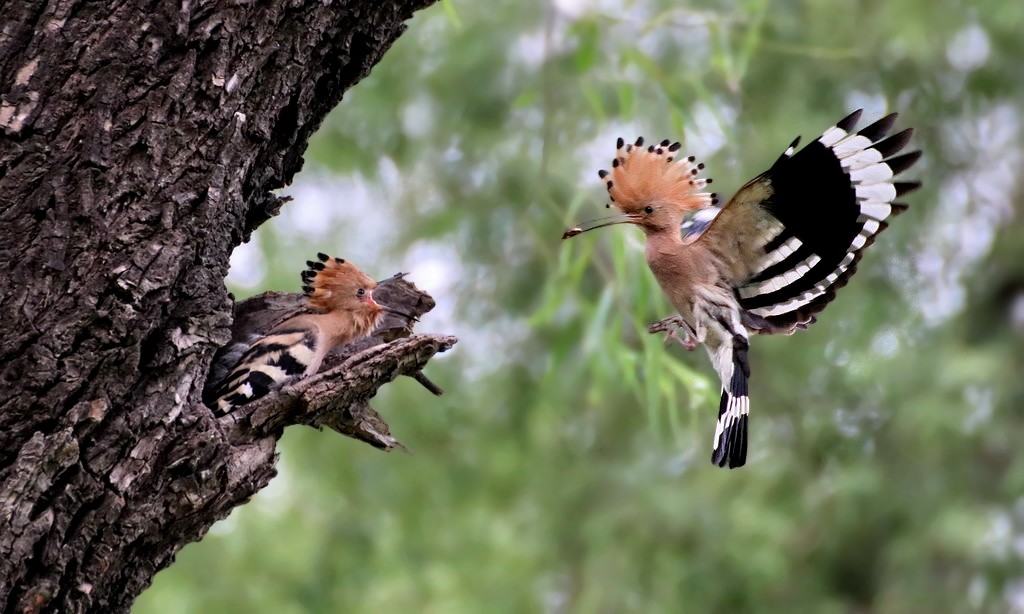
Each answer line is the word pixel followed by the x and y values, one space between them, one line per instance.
pixel 288 353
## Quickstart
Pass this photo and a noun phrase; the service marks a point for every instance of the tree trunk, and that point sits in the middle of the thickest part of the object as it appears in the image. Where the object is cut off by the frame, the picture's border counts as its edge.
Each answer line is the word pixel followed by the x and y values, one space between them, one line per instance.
pixel 140 144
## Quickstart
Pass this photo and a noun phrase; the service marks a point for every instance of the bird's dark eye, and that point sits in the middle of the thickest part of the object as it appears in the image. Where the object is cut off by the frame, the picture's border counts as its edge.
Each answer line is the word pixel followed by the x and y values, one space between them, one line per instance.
pixel 361 292
pixel 649 209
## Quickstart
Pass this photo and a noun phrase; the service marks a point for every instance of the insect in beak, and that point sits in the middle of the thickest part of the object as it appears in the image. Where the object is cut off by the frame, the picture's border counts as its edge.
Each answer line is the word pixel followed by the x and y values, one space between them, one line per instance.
pixel 582 227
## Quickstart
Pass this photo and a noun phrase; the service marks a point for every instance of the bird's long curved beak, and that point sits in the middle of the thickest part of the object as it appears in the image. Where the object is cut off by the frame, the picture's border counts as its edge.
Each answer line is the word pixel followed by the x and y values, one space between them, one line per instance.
pixel 611 220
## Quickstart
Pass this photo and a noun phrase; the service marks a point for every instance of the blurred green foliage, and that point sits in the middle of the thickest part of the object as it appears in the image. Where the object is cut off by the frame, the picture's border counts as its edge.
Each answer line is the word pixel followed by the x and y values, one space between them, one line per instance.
pixel 567 467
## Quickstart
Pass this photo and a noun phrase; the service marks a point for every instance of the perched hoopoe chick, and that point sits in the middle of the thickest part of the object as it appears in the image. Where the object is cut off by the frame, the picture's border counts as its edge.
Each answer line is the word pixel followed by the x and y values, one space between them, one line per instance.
pixel 340 308
pixel 772 257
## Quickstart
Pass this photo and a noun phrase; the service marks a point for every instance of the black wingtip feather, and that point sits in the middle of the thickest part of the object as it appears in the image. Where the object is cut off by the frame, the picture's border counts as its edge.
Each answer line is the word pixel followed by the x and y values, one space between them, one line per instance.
pixel 903 162
pixel 906 187
pixel 787 154
pixel 894 143
pixel 879 128
pixel 848 122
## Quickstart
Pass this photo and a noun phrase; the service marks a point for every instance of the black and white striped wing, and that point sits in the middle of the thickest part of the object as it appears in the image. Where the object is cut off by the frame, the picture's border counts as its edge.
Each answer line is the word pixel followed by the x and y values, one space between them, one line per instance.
pixel 282 356
pixel 808 219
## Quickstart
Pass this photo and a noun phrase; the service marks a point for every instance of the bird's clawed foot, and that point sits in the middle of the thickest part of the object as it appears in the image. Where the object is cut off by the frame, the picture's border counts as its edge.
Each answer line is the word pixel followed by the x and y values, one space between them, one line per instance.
pixel 671 327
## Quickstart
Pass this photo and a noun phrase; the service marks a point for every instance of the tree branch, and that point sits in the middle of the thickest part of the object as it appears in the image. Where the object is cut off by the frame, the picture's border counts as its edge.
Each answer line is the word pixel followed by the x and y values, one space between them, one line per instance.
pixel 338 397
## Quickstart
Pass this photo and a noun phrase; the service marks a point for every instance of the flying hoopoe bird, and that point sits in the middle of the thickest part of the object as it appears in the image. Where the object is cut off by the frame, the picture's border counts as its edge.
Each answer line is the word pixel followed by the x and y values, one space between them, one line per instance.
pixel 771 258
pixel 340 308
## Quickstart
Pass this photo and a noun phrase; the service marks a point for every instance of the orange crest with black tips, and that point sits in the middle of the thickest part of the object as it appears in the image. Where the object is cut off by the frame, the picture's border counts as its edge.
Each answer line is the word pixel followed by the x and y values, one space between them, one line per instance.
pixel 335 283
pixel 656 174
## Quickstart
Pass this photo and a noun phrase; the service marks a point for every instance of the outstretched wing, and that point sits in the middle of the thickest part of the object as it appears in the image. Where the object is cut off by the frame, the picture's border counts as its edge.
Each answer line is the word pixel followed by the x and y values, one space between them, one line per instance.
pixel 793 236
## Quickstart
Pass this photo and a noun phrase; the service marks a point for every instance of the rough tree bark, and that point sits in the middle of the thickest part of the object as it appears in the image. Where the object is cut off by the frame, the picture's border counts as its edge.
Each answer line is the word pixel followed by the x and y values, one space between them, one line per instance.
pixel 140 142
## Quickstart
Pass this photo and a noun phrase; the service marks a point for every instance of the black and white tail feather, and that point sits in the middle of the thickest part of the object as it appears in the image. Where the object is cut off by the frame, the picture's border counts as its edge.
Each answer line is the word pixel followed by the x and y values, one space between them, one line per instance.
pixel 730 444
pixel 814 211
